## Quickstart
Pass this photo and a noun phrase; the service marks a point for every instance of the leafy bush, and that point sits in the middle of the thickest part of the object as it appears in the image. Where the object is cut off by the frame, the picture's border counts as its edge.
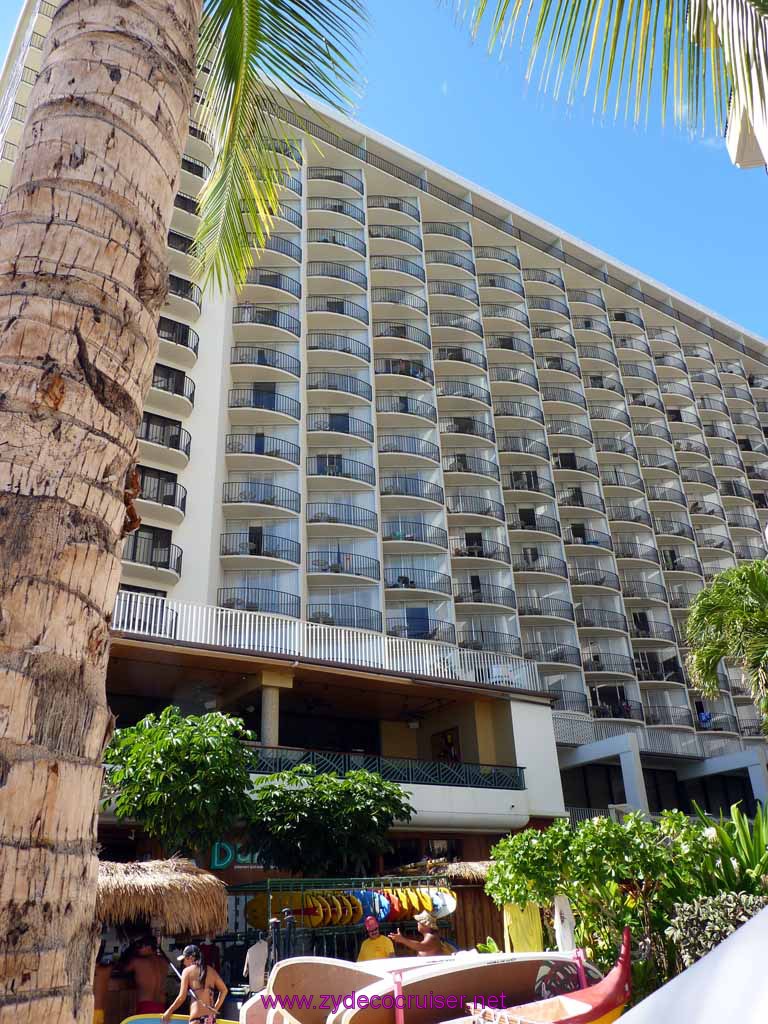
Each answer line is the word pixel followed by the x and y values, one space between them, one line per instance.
pixel 704 923
pixel 737 857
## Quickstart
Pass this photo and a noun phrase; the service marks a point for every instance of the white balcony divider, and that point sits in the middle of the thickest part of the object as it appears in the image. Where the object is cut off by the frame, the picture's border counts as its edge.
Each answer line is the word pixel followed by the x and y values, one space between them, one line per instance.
pixel 156 618
pixel 575 730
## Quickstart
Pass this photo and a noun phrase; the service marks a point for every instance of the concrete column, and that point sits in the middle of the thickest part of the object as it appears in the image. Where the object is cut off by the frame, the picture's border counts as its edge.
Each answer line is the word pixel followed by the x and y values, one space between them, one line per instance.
pixel 270 716
pixel 627 749
pixel 758 777
pixel 632 774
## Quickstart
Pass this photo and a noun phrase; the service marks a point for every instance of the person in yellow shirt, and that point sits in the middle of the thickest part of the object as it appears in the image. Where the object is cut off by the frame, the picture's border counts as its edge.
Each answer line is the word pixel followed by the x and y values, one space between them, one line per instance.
pixel 376 946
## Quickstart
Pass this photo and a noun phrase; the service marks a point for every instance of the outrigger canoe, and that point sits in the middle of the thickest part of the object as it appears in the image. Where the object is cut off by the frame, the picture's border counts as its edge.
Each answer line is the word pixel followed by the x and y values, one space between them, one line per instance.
pixel 156 1018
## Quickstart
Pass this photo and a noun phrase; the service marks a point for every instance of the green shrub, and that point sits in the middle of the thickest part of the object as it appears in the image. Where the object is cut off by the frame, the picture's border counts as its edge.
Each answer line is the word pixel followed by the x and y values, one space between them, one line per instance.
pixel 702 924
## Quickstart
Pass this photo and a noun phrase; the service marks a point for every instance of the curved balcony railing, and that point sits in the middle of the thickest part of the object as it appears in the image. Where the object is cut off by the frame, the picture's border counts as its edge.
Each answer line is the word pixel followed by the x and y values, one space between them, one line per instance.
pixel 664 714
pixel 653 430
pixel 399 297
pixel 406 405
pixel 435 227
pixel 591 323
pixel 716 721
pixel 180 243
pixel 603 382
pixel 327 380
pixel 398 265
pixel 332 236
pixel 458 321
pixel 705 377
pixel 736 489
pixel 178 334
pixel 706 508
pixel 618 478
pixel 161 491
pixel 676 387
pixel 734 391
pixel 522 410
pixel 277 243
pixel 325 204
pixel 406 444
pixel 395 233
pixel 174 382
pixel 266 317
pixel 522 445
pixel 454 288
pixel 587 538
pixel 646 400
pixel 749 552
pixel 412 487
pixel 615 446
pixel 605 412
pixel 544 276
pixel 274 279
pixel 632 343
pixel 661 493
pixel 259 599
pixel 448 258
pixel 554 652
pixel 345 469
pixel 337 271
pixel 568 395
pixel 536 522
pixel 714 541
pixel 524 481
pixel 636 370
pixel 751 727
pixel 396 204
pixel 638 587
pixel 628 514
pixel 607 661
pixel 490 549
pixel 338 305
pixel 473 504
pixel 345 515
pixel 408 578
pixel 589 295
pixel 255 355
pixel 483 593
pixel 671 527
pixel 587 575
pixel 405 368
pixel 351 615
pixel 757 472
pixel 628 549
pixel 169 435
pixel 575 463
pixel 649 460
pixel 544 332
pixel 428 629
pixel 698 352
pixel 694 475
pixel 652 629
pixel 569 700
pixel 575 497
pixel 744 520
pixel 678 564
pixel 470 425
pixel 338 175
pixel 257 492
pixel 558 363
pixel 672 362
pixel 447 387
pixel 626 316
pixel 348 563
pixel 687 444
pixel 263 444
pixel 459 354
pixel 418 533
pixel 495 252
pixel 667 334
pixel 474 639
pixel 401 330
pixel 184 289
pixel 250 398
pixel 458 462
pixel 522 562
pixel 600 618
pixel 550 607
pixel 504 282
pixel 195 167
pixel 328 342
pixel 727 459
pixel 626 709
pixel 335 423
pixel 266 546
pixel 712 403
pixel 513 375
pixel 544 302
pixel 747 418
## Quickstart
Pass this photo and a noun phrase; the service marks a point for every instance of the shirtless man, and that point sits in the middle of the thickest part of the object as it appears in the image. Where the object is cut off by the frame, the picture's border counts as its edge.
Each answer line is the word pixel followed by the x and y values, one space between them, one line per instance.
pixel 203 984
pixel 429 944
pixel 149 971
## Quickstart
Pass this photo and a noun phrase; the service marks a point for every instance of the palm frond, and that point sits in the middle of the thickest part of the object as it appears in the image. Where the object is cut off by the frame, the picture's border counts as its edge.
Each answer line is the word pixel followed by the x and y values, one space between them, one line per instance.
pixel 252 46
pixel 695 52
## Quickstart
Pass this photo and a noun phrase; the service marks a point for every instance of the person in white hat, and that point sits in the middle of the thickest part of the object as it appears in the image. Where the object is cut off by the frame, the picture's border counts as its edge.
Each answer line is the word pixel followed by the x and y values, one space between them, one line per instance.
pixel 429 942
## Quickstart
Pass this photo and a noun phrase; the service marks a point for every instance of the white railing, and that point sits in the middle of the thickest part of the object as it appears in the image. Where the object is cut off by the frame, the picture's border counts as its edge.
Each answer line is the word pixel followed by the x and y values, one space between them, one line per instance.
pixel 156 618
pixel 579 814
pixel 575 730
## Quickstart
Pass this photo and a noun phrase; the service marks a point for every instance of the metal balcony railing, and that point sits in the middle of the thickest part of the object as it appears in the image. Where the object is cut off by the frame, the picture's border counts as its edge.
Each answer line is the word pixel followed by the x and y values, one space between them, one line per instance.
pixel 544 332
pixel 602 352
pixel 339 423
pixel 337 271
pixel 664 714
pixel 569 700
pixel 474 639
pixel 398 265
pixel 522 562
pixel 458 354
pixel 714 541
pixel 416 532
pixel 682 597
pixel 629 549
pixel 278 243
pixel 399 297
pixel 448 258
pixel 257 492
pixel 661 493
pixel 604 412
pixel 169 435
pixel 251 398
pixel 427 629
pixel 608 662
pixel 550 607
pixel 637 587
pixel 522 445
pixel 483 593
pixel 433 227
pixel 588 295
pixel 407 444
pixel 408 578
pixel 327 380
pixel 616 446
pixel 646 400
pixel 473 504
pixel 412 487
pixel 350 615
pixel 338 305
pixel 332 236
pixel 522 481
pixel 743 520
pixel 183 289
pixel 255 355
pixel 632 343
pixel 687 444
pixel 460 322
pixel 558 363
pixel 587 575
pixel 553 652
pixel 470 425
pixel 266 317
pixel 456 289
pixel 504 282
pixel 483 548
pixel 591 323
pixel 405 405
pixel 522 410
pixel 458 462
pixel 325 204
pixel 630 710
pixel 449 388
pixel 274 279
pixel 600 618
pixel 258 599
pixel 618 478
pixel 346 515
pixel 174 382
pixel 567 395
pixel 401 330
pixel 535 522
pixel 628 514
pixel 651 629
pixel 650 460
pixel 405 368
pixel 495 252
pixel 397 234
pixel 343 468
pixel 653 430
pixel 672 527
pixel 334 561
pixel 160 490
pixel 338 175
pixel 575 497
pixel 180 243
pixel 587 538
pixel 513 375
pixel 178 334
pixel 706 508
pixel 153 552
pixel 395 203
pixel 263 545
pixel 544 276
pixel 544 302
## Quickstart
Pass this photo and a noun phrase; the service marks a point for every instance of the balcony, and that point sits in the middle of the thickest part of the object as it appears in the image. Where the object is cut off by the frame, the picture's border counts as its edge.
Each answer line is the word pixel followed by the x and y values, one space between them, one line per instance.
pixel 513 376
pixel 569 700
pixel 184 296
pixel 477 553
pixel 553 653
pixel 632 343
pixel 487 594
pixel 168 435
pixel 628 514
pixel 618 478
pixel 501 283
pixel 417 491
pixel 593 325
pixel 466 426
pixel 458 395
pixel 177 341
pixel 607 663
pixel 497 254
pixel 556 335
pixel 558 364
pixel 586 575
pixel 351 616
pixel 565 463
pixel 664 463
pixel 448 258
pixel 250 548
pixel 464 468
pixel 336 467
pixel 751 727
pixel 344 386
pixel 393 236
pixel 402 409
pixel 652 629
pixel 454 231
pixel 587 296
pixel 338 176
pixel 470 505
pixel 394 204
pixel 637 588
pixel 714 541
pixel 401 268
pixel 407 535
pixel 474 639
pixel 249 405
pixel 399 297
pixel 340 243
pixel 668 526
pixel 682 597
pixel 545 607
pixel 428 629
pixel 636 552
pixel 406 448
pixel 168 497
pixel 281 247
pixel 587 538
pixel 664 714
pixel 343 272
pixel 262 316
pixel 563 396
pixel 548 309
pixel 600 353
pixel 265 495
pixel 326 210
pixel 257 599
pixel 642 429
pixel 422 581
pixel 574 497
pixel 346 428
pixel 409 368
pixel 512 444
pixel 533 523
pixel 666 493
pixel 600 619
pixel 257 364
pixel 335 307
pixel 455 290
pixel 530 483
pixel 260 280
pixel 546 564
pixel 715 721
pixel 458 354
pixel 153 554
pixel 325 517
pixel 400 330
pixel 443 320
pixel 171 390
pixel 335 562
pixel 518 410
pixel 626 710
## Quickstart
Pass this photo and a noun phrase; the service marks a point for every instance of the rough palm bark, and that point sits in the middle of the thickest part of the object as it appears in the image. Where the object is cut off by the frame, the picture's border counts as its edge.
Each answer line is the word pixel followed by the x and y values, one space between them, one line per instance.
pixel 82 275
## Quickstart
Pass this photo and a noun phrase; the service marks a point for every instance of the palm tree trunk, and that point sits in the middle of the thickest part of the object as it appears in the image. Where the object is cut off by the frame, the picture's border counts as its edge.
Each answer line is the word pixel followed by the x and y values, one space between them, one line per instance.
pixel 82 276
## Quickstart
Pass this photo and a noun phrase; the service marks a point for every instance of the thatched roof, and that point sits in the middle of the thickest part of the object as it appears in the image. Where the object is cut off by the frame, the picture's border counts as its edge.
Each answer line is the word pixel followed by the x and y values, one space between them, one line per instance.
pixel 173 894
pixel 470 872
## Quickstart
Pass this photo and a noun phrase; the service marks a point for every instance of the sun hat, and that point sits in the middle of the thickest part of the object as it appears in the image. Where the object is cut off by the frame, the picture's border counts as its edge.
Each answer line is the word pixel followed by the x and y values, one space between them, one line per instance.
pixel 427 918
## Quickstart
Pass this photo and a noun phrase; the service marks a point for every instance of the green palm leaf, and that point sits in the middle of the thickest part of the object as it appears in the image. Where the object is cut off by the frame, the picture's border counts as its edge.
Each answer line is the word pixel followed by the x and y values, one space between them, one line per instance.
pixel 297 46
pixel 695 51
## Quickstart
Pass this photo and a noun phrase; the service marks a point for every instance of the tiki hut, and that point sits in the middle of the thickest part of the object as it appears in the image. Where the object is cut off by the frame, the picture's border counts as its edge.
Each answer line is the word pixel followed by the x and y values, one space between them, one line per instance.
pixel 174 895
pixel 477 916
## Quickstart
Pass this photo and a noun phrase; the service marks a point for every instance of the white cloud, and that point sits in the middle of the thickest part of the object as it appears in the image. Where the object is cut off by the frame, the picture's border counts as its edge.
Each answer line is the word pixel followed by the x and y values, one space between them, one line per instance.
pixel 444 87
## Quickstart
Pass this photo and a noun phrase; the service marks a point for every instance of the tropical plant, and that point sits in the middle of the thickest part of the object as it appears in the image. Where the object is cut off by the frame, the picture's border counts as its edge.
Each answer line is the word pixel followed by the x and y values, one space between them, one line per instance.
pixel 83 275
pixel 729 619
pixel 736 859
pixel 704 923
pixel 185 779
pixel 692 54
pixel 489 946
pixel 318 823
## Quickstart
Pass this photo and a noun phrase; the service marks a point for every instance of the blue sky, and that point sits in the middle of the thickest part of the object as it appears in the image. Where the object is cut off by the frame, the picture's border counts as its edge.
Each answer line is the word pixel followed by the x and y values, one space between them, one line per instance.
pixel 672 206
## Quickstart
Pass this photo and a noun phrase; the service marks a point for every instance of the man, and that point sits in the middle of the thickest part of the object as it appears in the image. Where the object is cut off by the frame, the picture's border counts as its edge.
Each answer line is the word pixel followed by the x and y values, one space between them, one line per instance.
pixel 429 944
pixel 149 971
pixel 376 946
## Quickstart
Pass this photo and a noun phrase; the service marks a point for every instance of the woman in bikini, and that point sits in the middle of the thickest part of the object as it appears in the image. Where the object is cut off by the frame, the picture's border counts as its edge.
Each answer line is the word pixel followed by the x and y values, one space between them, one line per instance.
pixel 203 984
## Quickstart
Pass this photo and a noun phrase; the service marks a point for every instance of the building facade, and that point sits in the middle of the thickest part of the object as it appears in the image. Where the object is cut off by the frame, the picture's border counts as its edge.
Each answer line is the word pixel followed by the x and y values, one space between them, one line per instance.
pixel 437 488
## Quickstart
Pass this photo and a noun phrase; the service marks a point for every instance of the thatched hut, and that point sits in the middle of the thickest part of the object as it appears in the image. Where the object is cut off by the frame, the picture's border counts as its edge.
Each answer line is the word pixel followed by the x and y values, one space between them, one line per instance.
pixel 174 895
pixel 477 916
